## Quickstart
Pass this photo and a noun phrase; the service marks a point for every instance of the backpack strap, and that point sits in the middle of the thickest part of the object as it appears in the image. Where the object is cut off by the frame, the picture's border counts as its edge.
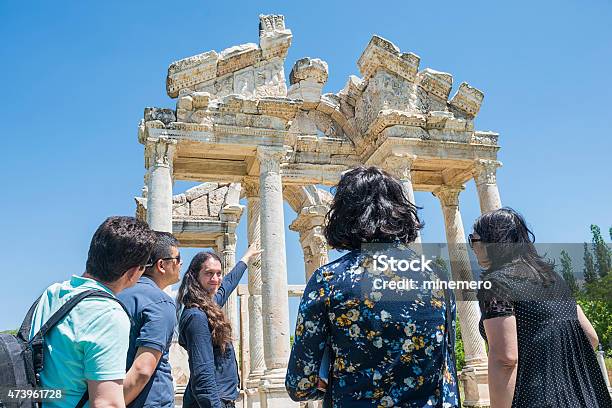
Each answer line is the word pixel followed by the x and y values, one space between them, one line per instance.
pixel 26 325
pixel 67 307
pixel 37 342
pixel 83 400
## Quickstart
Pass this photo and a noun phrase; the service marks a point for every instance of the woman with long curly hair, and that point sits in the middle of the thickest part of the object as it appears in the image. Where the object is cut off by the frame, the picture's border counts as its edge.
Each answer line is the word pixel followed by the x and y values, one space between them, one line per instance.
pixel 206 333
pixel 540 342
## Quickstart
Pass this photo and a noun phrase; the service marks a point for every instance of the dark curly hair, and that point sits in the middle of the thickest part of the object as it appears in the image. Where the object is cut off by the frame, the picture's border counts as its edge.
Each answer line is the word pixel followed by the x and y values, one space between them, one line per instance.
pixel 507 239
pixel 192 294
pixel 370 205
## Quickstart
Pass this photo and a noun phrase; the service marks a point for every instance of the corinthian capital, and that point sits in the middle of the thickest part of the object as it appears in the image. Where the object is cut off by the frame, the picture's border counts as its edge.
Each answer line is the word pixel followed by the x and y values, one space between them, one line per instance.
pixel 159 152
pixel 400 165
pixel 251 187
pixel 270 159
pixel 485 171
pixel 448 195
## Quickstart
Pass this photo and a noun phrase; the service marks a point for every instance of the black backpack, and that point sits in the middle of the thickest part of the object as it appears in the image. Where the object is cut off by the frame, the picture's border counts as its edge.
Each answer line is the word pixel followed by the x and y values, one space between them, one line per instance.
pixel 21 359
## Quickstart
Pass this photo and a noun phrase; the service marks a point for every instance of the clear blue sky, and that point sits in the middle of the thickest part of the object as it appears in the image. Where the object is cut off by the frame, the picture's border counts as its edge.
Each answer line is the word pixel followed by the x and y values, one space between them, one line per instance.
pixel 77 75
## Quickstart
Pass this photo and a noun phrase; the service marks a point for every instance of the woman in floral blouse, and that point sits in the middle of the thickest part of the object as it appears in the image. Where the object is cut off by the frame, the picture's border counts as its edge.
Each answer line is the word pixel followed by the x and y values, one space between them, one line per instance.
pixel 388 347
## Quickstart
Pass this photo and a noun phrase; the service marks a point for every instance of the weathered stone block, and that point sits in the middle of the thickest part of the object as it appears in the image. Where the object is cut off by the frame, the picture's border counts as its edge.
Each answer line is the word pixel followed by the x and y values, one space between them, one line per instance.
pixel 179 199
pixel 244 82
pixel 200 100
pixel 216 199
pixel 199 191
pixel 309 68
pixel 435 82
pixel 180 210
pixel 182 115
pixel 185 102
pixel 274 38
pixel 162 114
pixel 308 91
pixel 199 206
pixel 382 53
pixel 233 194
pixel 467 99
pixel 270 79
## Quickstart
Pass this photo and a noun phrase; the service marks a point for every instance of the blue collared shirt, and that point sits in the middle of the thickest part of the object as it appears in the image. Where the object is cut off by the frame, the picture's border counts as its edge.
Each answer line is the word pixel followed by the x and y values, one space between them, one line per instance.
pixel 153 313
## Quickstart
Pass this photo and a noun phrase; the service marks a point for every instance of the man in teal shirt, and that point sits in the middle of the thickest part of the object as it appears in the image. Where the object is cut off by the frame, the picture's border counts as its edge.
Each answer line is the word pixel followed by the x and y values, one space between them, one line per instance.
pixel 87 349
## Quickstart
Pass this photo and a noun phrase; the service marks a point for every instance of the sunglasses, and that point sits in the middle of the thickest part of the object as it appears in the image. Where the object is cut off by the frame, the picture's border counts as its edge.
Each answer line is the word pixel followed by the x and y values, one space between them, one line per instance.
pixel 151 262
pixel 178 258
pixel 471 240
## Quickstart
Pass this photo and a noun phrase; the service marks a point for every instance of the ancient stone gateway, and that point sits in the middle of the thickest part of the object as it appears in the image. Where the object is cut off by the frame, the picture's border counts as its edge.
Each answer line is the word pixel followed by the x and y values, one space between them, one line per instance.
pixel 237 122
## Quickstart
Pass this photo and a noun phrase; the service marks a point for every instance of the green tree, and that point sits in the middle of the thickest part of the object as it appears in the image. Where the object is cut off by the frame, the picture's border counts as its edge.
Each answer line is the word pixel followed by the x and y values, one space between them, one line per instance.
pixel 459 352
pixel 603 255
pixel 595 299
pixel 589 267
pixel 567 271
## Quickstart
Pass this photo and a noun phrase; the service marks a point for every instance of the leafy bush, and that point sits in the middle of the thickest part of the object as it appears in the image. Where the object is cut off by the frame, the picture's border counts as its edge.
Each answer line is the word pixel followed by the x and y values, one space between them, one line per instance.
pixel 595 299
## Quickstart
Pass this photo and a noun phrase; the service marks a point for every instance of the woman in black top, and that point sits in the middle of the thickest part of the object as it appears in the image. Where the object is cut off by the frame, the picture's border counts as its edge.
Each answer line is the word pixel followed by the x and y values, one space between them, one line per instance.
pixel 529 316
pixel 206 333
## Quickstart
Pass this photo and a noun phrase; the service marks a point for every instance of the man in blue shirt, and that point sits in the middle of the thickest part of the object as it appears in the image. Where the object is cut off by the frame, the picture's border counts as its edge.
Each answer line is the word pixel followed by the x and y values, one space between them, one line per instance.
pixel 148 382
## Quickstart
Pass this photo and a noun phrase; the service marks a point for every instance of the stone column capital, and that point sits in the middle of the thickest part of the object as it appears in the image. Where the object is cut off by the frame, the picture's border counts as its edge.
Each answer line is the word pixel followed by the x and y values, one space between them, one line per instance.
pixel 159 152
pixel 400 165
pixel 448 195
pixel 317 242
pixel 226 243
pixel 231 214
pixel 251 187
pixel 270 159
pixel 485 171
pixel 309 217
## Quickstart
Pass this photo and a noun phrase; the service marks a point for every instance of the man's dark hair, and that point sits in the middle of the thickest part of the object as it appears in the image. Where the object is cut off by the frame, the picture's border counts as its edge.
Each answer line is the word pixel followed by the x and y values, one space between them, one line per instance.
pixel 119 244
pixel 370 205
pixel 162 248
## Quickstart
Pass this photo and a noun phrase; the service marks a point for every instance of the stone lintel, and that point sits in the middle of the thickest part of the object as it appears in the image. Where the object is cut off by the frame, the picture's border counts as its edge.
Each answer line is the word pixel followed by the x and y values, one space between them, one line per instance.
pixel 392 117
pixel 406 139
pixel 274 42
pixel 278 107
pixel 382 53
pixel 237 57
pixel 485 138
pixel 190 71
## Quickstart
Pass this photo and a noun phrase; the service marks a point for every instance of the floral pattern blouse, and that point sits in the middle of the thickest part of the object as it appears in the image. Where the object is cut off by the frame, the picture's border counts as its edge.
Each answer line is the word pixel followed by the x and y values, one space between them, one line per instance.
pixel 388 346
